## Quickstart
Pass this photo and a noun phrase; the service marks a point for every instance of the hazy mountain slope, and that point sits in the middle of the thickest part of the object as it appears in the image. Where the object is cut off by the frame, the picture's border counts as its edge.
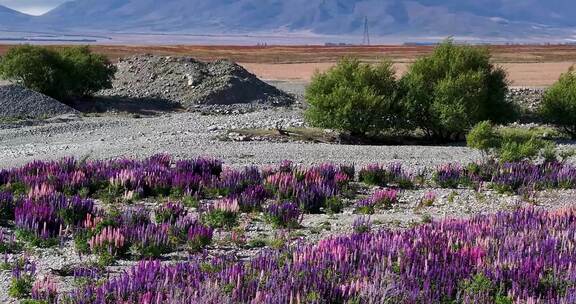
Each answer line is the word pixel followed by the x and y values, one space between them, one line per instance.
pixel 399 17
pixel 9 17
pixel 549 12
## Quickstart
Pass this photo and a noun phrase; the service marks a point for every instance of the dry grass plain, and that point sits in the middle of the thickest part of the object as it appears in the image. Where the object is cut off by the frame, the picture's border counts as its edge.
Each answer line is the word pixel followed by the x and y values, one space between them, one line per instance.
pixel 527 65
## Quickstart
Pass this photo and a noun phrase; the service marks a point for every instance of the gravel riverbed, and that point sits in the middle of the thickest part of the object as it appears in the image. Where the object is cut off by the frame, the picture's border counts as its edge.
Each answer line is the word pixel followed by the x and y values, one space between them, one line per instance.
pixel 189 134
pixel 192 134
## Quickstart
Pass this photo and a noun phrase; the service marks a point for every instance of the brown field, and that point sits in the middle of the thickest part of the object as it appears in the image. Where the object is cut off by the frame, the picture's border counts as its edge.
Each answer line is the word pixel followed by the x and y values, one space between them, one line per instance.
pixel 527 65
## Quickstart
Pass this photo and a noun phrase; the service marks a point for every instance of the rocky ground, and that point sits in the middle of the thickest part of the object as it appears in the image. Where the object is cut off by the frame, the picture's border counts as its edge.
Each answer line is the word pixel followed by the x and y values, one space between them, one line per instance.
pixel 529 98
pixel 192 134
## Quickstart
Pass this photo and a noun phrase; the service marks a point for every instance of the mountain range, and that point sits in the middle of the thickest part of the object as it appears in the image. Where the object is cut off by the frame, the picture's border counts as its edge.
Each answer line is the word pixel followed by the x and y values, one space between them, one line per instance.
pixel 11 17
pixel 473 18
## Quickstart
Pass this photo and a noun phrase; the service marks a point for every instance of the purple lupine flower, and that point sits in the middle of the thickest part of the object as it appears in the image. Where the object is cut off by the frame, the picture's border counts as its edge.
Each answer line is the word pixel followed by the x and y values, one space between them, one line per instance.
pixel 284 214
pixel 365 206
pixel 135 216
pixel 39 218
pixel 169 212
pixel 87 272
pixel 362 224
pixel 312 198
pixel 150 240
pixel 286 166
pixel 396 174
pixel 252 198
pixel 449 175
pixel 199 236
pixel 200 166
pixel 426 264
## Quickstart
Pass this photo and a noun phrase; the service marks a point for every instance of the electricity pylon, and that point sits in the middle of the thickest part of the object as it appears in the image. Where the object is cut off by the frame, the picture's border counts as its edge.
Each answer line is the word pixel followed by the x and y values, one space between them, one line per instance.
pixel 366 40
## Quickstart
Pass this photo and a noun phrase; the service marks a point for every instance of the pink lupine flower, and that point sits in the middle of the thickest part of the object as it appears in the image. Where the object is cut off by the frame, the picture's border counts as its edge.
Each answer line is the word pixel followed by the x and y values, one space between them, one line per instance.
pixel 227 205
pixel 45 289
pixel 91 221
pixel 41 191
pixel 109 239
pixel 386 197
pixel 428 199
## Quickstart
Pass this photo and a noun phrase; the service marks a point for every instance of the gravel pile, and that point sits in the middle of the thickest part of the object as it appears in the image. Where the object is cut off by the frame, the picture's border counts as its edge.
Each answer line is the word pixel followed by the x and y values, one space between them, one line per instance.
pixel 529 98
pixel 19 102
pixel 191 82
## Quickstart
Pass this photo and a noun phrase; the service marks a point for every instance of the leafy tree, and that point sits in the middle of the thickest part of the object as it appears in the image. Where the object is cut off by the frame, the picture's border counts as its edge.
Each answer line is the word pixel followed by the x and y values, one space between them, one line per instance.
pixel 449 91
pixel 354 97
pixel 559 104
pixel 63 74
pixel 37 68
pixel 88 72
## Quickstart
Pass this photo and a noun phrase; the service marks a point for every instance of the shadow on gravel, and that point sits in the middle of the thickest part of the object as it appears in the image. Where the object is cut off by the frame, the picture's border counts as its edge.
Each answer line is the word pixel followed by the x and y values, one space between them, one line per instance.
pixel 140 106
pixel 316 135
pixel 31 122
pixel 566 141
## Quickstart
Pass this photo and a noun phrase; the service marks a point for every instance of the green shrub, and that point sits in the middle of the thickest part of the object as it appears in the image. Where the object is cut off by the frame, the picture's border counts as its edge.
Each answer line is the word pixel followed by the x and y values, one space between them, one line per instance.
pixel 81 239
pixel 523 134
pixel 481 286
pixel 148 251
pixel 514 151
pixel 374 176
pixel 256 243
pixel 34 240
pixel 64 74
pixel 220 218
pixel 334 205
pixel 559 104
pixel 106 259
pixel 449 91
pixel 364 209
pixel 198 243
pixel 21 287
pixel 483 137
pixel 354 97
pixel 190 201
pixel 511 144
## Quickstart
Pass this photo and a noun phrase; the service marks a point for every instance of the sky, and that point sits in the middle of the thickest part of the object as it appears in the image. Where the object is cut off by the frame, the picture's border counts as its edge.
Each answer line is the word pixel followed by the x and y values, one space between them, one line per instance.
pixel 32 7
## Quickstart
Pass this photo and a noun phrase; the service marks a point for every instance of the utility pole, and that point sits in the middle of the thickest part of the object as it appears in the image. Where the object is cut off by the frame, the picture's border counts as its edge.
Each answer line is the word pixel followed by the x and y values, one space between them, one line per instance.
pixel 366 40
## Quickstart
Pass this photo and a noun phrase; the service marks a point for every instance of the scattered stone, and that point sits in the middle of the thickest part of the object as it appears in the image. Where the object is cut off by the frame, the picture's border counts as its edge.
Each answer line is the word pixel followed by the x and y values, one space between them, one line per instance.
pixel 528 98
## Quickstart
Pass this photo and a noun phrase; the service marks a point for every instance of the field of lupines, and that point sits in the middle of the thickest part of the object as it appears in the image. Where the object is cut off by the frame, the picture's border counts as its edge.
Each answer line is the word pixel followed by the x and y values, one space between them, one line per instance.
pixel 526 256
pixel 44 204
